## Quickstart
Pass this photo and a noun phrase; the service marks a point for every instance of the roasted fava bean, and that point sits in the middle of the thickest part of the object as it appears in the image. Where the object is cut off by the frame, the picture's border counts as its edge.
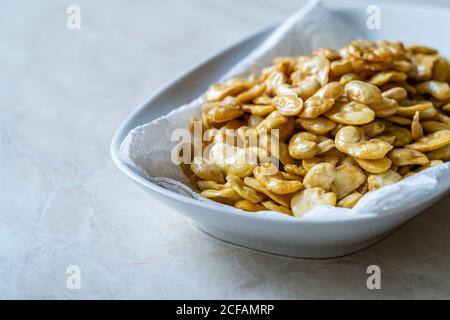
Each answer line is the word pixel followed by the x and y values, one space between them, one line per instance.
pixel 349 201
pixel 307 88
pixel 229 88
pixel 374 166
pixel 352 113
pixel 308 164
pixel 410 110
pixel 245 192
pixel 431 142
pixel 385 76
pixel 416 127
pixel 207 170
pixel 253 183
pixel 350 140
pixel 341 180
pixel 322 101
pixel 432 126
pixel 386 108
pixel 378 181
pixel 206 185
pixel 440 154
pixel 397 93
pixel 363 92
pixel 226 195
pixel 303 145
pixel 248 206
pixel 287 102
pixel 294 169
pixel 316 67
pixel 252 93
pixel 308 199
pixel 318 126
pixel 373 129
pixel 438 90
pixel 273 120
pixel 399 120
pixel 405 157
pixel 224 112
pixel 402 135
pixel 275 182
pixel 259 110
pixel 346 78
pixel 272 206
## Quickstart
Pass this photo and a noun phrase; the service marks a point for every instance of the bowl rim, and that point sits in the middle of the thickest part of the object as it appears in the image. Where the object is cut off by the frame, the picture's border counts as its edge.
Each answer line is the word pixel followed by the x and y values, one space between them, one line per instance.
pixel 118 134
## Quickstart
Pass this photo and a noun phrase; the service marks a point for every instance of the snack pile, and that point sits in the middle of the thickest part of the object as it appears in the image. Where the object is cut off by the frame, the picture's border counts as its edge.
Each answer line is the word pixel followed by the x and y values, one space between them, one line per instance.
pixel 349 122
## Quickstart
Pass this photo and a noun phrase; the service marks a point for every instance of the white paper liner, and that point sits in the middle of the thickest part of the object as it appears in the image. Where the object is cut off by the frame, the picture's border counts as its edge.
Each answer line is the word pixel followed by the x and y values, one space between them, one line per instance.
pixel 147 148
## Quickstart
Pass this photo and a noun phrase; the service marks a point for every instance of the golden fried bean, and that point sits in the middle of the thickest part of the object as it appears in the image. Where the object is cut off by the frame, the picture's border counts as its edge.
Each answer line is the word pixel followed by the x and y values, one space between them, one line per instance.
pixel 433 126
pixel 386 76
pixel 378 181
pixel 273 120
pixel 346 78
pixel 308 199
pixel 322 101
pixel 303 145
pixel 349 201
pixel 411 109
pixel 402 136
pixel 396 93
pixel 325 144
pixel 405 157
pixel 416 127
pixel 340 67
pixel 287 102
pixel 258 110
pixel 373 129
pixel 308 164
pixel 205 185
pixel 374 166
pixel 311 67
pixel 438 90
pixel 253 183
pixel 386 108
pixel 341 180
pixel 224 112
pixel 431 142
pixel 272 206
pixel 363 92
pixel 226 195
pixel 207 170
pixel 229 88
pixel 352 113
pixel 399 120
pixel 440 154
pixel 248 206
pixel 290 176
pixel 350 140
pixel 327 53
pixel 307 88
pixel 275 183
pixel 294 169
pixel 241 189
pixel 251 93
pixel 318 126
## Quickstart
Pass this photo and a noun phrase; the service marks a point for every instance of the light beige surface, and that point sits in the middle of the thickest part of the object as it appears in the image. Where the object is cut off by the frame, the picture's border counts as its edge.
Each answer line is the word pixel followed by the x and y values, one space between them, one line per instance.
pixel 62 202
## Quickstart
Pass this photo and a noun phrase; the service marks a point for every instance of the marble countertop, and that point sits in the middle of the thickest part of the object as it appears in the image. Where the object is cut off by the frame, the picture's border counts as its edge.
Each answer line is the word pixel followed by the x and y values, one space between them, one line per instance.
pixel 63 203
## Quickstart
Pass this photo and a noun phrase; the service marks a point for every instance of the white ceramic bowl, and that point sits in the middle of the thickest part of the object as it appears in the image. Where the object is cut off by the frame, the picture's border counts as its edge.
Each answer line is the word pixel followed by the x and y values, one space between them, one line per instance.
pixel 292 237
